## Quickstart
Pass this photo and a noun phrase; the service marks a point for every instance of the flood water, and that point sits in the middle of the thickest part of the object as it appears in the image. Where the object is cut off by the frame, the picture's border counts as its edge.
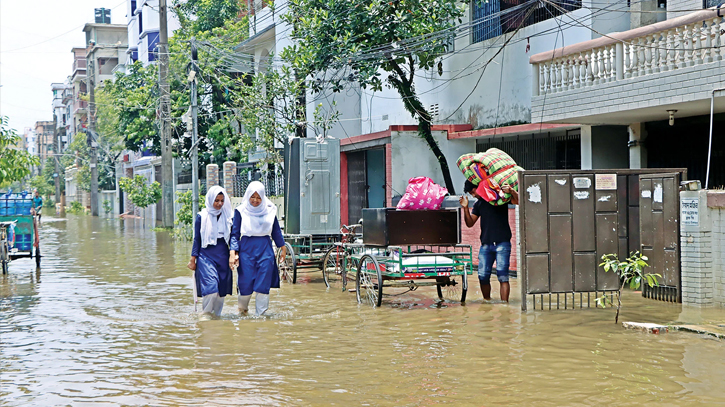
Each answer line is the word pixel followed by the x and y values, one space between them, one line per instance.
pixel 109 321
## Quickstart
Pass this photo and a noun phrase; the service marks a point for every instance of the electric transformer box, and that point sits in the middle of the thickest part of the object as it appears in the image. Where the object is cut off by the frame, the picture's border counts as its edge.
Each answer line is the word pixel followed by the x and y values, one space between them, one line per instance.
pixel 312 196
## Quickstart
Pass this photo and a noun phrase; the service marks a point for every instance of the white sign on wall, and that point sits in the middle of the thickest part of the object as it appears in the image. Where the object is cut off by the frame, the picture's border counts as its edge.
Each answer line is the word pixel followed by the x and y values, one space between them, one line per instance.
pixel 690 211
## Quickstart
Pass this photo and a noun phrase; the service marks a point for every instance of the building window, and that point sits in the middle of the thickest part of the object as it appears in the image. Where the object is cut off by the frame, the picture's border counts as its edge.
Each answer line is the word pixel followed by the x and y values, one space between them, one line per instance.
pixel 492 18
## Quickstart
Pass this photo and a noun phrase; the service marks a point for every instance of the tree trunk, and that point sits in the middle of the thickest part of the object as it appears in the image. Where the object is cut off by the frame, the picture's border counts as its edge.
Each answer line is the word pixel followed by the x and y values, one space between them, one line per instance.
pixel 412 104
pixel 619 301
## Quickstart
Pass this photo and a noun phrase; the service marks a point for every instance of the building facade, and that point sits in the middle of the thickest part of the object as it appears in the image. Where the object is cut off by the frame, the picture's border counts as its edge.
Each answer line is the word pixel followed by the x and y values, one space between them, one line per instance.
pixel 31 144
pixel 79 92
pixel 44 134
pixel 143 30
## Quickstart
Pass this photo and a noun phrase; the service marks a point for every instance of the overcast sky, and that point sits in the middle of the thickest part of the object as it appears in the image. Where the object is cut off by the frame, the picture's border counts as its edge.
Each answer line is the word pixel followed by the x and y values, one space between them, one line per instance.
pixel 36 37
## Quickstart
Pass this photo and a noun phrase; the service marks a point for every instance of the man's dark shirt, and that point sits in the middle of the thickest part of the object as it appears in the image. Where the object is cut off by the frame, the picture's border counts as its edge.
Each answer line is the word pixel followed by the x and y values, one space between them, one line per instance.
pixel 494 221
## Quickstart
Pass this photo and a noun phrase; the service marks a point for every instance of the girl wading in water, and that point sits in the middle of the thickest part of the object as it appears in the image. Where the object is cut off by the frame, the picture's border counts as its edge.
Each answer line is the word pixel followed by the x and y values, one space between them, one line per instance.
pixel 255 221
pixel 210 252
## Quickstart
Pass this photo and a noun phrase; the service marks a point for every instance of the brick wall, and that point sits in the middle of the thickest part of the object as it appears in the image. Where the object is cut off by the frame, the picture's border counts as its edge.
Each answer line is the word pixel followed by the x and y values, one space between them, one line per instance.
pixel 212 175
pixel 230 170
pixel 697 271
pixel 702 249
pixel 472 236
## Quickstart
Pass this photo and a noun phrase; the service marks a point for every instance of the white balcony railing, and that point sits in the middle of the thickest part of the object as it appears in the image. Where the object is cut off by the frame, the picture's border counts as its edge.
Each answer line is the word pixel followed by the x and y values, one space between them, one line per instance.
pixel 673 44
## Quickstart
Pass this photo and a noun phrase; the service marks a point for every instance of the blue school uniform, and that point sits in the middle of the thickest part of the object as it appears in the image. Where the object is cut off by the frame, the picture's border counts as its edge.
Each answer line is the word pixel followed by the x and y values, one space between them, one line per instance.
pixel 213 274
pixel 257 270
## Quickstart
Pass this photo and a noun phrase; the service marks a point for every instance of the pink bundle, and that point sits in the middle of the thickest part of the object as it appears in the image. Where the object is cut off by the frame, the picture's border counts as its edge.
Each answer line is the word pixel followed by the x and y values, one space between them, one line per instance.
pixel 422 194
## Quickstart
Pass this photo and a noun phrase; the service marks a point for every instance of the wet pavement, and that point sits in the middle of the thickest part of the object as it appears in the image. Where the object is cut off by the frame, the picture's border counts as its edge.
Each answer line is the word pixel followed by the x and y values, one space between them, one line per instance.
pixel 108 321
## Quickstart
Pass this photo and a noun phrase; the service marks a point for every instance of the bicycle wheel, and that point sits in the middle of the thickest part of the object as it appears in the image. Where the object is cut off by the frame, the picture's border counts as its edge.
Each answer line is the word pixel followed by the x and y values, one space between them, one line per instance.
pixel 288 267
pixel 369 282
pixel 452 288
pixel 332 267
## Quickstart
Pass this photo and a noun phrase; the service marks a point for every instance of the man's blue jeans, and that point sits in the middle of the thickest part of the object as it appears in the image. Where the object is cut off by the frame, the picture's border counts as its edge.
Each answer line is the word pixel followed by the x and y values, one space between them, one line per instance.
pixel 498 252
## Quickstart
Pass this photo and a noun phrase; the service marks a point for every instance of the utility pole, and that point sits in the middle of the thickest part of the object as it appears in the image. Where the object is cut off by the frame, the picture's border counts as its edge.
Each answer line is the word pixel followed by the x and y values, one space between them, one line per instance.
pixel 194 134
pixel 167 180
pixel 56 152
pixel 91 133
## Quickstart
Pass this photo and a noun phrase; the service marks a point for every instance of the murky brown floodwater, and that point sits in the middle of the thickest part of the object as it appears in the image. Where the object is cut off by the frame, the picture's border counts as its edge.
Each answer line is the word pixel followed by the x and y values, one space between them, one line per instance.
pixel 108 321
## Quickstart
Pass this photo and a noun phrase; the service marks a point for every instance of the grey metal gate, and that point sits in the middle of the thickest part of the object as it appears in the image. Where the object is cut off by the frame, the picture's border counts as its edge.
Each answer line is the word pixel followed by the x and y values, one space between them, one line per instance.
pixel 568 219
pixel 659 230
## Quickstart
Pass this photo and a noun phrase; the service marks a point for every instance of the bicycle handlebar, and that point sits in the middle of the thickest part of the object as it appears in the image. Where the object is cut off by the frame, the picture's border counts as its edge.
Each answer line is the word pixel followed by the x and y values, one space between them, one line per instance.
pixel 351 228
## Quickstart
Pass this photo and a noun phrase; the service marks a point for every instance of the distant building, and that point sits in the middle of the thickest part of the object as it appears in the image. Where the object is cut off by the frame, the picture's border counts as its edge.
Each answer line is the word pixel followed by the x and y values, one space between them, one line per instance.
pixel 61 110
pixel 106 46
pixel 30 142
pixel 79 91
pixel 44 132
pixel 143 29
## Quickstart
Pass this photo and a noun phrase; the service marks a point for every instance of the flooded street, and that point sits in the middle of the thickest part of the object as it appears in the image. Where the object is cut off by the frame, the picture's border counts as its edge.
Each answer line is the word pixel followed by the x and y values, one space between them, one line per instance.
pixel 109 320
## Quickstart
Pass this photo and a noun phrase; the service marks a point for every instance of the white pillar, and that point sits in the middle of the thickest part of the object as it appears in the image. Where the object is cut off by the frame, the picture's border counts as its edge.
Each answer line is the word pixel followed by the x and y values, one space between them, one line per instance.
pixel 586 147
pixel 637 150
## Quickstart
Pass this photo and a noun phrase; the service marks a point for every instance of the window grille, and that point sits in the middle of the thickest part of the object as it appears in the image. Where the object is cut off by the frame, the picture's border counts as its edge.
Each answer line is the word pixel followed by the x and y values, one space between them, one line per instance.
pixel 492 18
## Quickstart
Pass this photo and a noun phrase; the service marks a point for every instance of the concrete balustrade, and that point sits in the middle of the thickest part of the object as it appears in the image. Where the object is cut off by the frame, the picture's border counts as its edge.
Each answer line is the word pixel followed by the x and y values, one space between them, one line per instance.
pixel 681 42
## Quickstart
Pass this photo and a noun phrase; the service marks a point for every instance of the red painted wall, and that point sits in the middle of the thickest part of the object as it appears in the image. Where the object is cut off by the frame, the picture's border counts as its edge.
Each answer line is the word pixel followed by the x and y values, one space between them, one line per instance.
pixel 343 190
pixel 389 175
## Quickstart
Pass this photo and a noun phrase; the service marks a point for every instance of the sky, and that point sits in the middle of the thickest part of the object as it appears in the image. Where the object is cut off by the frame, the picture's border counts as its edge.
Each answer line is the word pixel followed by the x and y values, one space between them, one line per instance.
pixel 36 37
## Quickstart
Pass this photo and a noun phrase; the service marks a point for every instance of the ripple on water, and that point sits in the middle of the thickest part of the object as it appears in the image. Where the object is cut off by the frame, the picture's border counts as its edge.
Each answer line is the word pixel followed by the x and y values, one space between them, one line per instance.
pixel 111 322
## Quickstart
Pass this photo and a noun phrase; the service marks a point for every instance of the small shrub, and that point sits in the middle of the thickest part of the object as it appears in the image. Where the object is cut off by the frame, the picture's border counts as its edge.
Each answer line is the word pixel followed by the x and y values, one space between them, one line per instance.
pixel 141 192
pixel 75 208
pixel 631 271
pixel 107 207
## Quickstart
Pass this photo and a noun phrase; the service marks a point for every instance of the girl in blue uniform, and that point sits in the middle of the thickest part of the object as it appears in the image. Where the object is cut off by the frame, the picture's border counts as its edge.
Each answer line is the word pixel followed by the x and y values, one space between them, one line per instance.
pixel 255 222
pixel 210 252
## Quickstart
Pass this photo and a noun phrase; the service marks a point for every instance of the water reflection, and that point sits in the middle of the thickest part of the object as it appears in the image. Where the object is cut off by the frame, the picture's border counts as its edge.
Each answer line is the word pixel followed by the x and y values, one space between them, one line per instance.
pixel 112 323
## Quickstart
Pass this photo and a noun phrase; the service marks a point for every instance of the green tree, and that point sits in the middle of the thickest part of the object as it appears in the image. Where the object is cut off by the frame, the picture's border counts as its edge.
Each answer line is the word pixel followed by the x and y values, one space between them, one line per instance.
pixel 355 39
pixel 130 106
pixel 141 192
pixel 40 184
pixel 15 164
pixel 133 97
pixel 206 15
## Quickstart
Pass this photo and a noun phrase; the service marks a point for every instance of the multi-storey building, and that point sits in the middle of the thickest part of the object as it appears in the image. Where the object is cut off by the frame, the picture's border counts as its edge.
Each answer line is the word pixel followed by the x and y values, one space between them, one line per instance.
pixel 646 97
pixel 143 29
pixel 44 134
pixel 106 46
pixel 30 142
pixel 79 91
pixel 61 110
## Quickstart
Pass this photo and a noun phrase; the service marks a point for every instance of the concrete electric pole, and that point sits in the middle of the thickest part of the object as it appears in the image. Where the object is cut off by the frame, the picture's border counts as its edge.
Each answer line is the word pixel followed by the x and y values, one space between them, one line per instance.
pixel 56 156
pixel 92 143
pixel 167 183
pixel 194 134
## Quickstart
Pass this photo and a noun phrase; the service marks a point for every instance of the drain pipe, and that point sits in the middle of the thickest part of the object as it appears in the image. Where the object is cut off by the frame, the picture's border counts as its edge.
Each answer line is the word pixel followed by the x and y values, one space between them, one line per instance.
pixel 709 147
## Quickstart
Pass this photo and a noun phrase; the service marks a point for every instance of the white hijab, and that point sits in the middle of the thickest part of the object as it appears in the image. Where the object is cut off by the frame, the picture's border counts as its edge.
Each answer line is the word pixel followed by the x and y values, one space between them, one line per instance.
pixel 257 221
pixel 210 224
